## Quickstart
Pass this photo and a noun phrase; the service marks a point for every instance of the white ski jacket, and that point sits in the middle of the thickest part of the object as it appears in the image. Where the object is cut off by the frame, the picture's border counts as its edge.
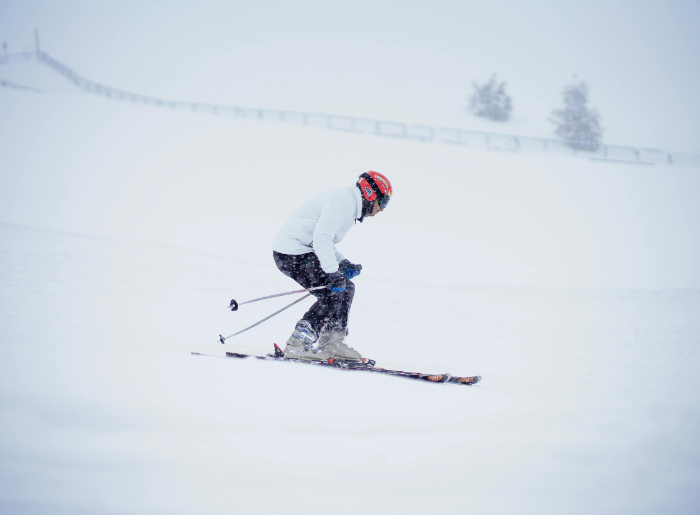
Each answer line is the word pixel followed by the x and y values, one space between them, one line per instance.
pixel 319 224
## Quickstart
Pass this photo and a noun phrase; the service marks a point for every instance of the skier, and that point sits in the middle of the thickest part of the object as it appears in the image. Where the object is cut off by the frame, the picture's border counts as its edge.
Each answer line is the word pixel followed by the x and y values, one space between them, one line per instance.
pixel 304 250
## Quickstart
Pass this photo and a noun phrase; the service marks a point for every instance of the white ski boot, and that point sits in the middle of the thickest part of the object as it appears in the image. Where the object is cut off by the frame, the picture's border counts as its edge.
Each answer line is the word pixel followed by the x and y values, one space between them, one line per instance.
pixel 333 344
pixel 301 344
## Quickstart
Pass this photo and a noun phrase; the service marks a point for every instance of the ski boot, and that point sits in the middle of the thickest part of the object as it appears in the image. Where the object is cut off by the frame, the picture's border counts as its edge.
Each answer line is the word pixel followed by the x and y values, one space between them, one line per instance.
pixel 300 344
pixel 333 344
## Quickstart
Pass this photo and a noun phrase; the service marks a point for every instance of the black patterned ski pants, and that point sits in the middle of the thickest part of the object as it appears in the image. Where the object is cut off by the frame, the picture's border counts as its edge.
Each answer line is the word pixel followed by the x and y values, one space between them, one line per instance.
pixel 331 310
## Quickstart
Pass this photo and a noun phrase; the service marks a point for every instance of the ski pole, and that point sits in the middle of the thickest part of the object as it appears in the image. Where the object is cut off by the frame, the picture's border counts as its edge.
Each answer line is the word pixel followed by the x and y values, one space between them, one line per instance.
pixel 234 305
pixel 222 339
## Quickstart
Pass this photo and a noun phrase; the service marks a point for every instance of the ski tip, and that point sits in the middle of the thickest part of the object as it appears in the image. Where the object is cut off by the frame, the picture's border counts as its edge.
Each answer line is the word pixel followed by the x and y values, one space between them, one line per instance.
pixel 467 380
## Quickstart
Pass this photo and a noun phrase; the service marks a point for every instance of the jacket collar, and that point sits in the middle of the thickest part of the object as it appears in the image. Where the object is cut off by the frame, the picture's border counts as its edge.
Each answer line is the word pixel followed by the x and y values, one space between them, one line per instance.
pixel 358 201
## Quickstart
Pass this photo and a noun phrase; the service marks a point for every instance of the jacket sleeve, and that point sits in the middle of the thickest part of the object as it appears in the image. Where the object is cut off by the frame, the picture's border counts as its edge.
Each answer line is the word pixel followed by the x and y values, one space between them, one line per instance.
pixel 331 220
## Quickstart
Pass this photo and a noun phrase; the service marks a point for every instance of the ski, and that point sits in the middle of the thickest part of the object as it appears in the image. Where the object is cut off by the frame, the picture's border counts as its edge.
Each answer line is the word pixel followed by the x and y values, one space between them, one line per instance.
pixel 366 364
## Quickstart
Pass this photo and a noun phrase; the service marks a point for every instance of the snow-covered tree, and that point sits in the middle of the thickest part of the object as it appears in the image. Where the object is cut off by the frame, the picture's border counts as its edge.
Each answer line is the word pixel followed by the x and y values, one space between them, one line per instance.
pixel 577 124
pixel 491 101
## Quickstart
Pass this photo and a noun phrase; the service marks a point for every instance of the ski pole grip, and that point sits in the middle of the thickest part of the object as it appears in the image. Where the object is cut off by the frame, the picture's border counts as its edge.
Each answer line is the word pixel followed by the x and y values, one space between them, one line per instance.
pixel 233 305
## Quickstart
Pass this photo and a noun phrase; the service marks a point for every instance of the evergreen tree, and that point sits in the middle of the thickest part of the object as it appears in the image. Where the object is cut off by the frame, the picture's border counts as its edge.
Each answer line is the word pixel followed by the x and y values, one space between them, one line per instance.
pixel 491 101
pixel 577 124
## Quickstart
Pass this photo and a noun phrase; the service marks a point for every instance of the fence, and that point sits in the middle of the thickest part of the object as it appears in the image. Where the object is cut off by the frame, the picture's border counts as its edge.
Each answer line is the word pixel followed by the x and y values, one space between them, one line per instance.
pixel 487 140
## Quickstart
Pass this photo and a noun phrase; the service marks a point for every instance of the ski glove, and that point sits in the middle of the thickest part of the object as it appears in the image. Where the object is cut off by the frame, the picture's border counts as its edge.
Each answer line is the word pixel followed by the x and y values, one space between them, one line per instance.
pixel 336 282
pixel 348 269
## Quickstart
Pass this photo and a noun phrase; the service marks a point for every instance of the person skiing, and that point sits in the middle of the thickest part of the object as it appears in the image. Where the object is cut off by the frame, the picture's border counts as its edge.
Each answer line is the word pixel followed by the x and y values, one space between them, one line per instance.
pixel 304 250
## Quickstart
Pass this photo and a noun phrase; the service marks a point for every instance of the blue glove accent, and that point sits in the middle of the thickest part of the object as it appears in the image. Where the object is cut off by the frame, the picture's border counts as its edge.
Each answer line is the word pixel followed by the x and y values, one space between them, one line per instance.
pixel 348 269
pixel 351 272
pixel 337 282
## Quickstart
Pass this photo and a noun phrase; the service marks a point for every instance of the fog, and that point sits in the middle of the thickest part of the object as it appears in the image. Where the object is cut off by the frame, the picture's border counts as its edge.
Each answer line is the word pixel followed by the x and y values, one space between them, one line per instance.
pixel 405 61
pixel 569 284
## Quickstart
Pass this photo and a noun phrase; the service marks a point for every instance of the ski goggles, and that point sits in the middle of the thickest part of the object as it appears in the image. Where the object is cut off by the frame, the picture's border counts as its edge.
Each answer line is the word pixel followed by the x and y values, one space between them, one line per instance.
pixel 383 201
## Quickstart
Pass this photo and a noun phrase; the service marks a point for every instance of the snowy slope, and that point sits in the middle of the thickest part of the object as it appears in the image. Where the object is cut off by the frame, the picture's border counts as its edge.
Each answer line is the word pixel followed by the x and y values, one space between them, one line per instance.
pixel 104 410
pixel 132 171
pixel 570 285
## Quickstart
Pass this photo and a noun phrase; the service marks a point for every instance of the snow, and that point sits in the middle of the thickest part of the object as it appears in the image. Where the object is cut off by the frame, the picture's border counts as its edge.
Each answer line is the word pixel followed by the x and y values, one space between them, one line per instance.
pixel 570 285
pixel 588 398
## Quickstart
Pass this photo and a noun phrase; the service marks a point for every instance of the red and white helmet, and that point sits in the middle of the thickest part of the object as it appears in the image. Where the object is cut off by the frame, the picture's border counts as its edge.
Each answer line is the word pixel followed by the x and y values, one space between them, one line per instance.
pixel 375 186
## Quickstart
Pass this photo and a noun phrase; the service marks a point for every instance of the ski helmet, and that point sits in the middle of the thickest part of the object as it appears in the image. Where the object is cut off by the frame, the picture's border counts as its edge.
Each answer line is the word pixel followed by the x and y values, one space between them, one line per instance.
pixel 375 186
